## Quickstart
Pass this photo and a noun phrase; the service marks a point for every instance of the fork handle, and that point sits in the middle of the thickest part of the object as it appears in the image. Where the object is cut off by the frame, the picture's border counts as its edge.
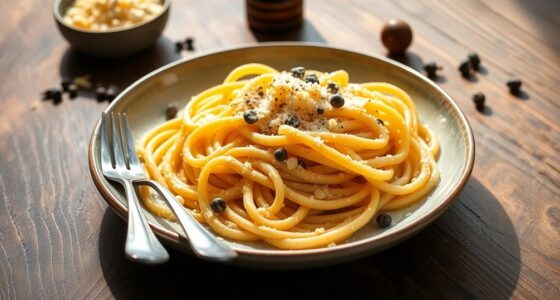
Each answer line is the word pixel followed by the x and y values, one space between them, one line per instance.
pixel 203 243
pixel 141 243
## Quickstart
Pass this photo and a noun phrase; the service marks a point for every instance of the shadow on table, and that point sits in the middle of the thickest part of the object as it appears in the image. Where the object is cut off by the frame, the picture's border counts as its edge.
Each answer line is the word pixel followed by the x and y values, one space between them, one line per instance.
pixel 414 61
pixel 540 13
pixel 471 251
pixel 306 33
pixel 120 72
pixel 408 58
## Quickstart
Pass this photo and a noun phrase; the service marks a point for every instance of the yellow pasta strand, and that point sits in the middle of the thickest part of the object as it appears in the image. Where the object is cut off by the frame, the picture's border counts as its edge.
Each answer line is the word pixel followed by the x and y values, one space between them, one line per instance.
pixel 343 165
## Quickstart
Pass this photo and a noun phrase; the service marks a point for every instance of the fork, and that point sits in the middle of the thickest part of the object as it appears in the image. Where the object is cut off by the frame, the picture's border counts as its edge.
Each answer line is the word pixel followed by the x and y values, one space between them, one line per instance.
pixel 202 242
pixel 141 243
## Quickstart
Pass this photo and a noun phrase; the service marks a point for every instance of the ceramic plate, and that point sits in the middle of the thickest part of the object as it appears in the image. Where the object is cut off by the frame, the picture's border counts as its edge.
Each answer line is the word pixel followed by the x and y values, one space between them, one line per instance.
pixel 146 100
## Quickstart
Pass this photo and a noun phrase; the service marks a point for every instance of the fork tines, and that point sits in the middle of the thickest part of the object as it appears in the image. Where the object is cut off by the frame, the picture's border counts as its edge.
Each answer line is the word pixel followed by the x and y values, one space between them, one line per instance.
pixel 117 145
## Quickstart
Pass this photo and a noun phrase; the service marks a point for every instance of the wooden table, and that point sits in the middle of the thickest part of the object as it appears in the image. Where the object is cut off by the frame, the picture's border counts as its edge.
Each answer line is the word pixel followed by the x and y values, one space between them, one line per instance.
pixel 500 239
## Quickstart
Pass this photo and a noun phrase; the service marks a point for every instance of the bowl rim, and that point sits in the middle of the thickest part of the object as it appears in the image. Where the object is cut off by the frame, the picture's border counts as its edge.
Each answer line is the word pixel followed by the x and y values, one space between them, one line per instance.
pixel 406 231
pixel 60 20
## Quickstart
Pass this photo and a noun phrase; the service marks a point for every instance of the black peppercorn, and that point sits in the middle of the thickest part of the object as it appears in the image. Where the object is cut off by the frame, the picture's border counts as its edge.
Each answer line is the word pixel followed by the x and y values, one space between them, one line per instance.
pixel 65 84
pixel 514 86
pixel 431 69
pixel 465 69
pixel 47 95
pixel 383 220
pixel 101 93
pixel 312 78
pixel 218 205
pixel 320 110
pixel 474 60
pixel 56 96
pixel 179 46
pixel 292 121
pixel 479 100
pixel 171 112
pixel 337 101
pixel 280 154
pixel 189 41
pixel 72 91
pixel 332 88
pixel 298 72
pixel 380 122
pixel 250 117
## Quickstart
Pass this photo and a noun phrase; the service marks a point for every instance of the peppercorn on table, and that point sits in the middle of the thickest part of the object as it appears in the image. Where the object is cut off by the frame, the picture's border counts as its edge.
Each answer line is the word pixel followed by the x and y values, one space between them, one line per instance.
pixel 500 238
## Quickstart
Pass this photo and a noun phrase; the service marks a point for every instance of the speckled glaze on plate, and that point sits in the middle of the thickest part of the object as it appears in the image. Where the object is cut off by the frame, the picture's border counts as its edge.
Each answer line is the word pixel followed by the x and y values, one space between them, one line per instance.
pixel 145 102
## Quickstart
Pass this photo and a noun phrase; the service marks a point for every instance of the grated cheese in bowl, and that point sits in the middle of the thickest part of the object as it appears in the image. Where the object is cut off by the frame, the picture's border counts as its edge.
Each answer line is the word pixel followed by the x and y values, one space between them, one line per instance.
pixel 103 15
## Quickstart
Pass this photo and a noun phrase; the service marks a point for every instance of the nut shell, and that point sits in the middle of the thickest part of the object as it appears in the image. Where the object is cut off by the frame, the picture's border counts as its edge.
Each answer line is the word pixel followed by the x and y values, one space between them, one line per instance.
pixel 396 36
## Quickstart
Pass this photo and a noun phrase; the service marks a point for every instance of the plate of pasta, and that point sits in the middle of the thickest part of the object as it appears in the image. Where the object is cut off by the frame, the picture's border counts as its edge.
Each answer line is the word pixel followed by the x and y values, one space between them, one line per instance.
pixel 294 154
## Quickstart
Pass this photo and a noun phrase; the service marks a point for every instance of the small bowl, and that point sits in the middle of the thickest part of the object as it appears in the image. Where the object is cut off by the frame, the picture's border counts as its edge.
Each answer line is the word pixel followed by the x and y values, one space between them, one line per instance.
pixel 117 42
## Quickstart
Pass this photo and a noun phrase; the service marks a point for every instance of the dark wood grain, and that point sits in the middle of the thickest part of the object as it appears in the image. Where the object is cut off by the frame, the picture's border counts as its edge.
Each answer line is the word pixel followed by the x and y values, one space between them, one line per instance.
pixel 500 239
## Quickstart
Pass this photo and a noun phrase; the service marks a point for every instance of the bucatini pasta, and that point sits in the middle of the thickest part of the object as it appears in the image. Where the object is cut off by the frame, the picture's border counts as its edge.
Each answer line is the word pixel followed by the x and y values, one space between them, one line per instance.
pixel 299 159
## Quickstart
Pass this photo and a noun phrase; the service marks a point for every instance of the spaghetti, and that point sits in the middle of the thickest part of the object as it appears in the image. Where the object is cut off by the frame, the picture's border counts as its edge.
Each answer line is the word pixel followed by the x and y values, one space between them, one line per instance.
pixel 345 152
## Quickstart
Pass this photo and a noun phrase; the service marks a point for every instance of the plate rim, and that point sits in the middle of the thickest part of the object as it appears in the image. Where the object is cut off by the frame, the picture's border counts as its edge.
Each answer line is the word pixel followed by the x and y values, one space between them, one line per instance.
pixel 400 234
